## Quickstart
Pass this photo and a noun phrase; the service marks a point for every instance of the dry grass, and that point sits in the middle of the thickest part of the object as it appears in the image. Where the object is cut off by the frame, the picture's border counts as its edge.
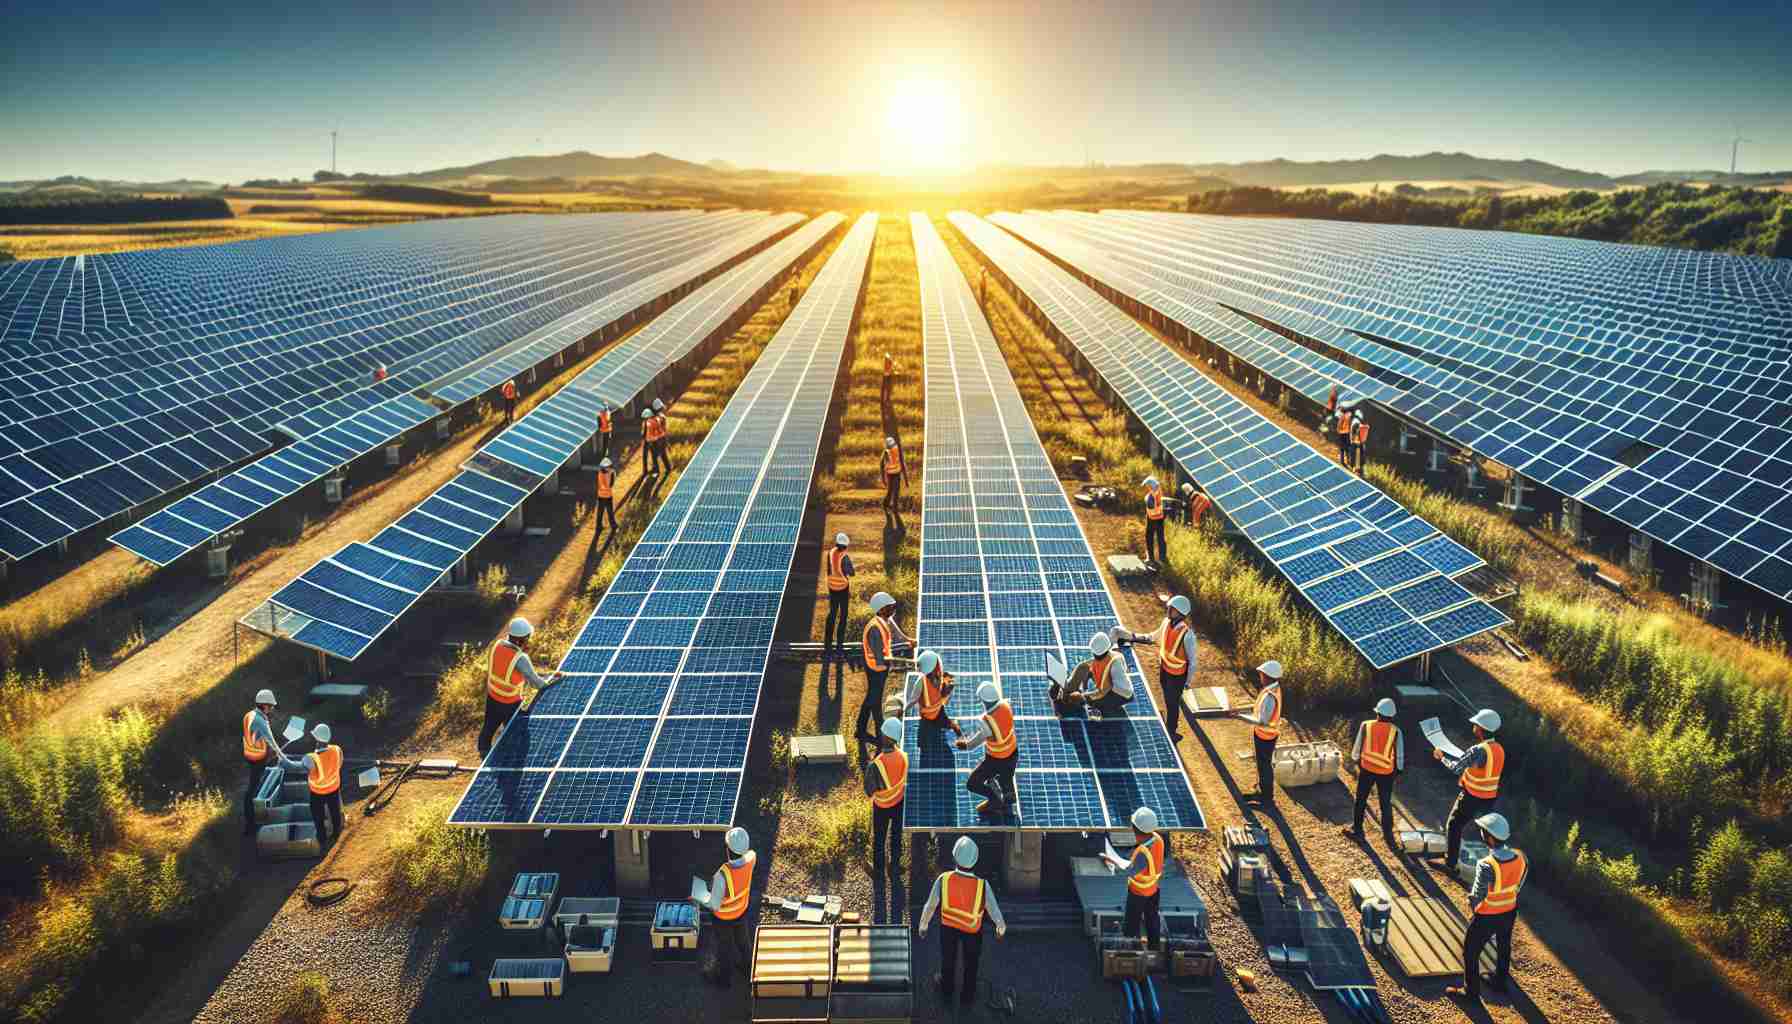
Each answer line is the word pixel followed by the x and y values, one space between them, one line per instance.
pixel 431 866
pixel 1492 537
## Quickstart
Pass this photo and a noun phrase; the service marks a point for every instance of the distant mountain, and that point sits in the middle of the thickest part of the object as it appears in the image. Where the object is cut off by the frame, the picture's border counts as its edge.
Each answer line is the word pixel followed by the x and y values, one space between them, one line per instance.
pixel 578 164
pixel 1714 177
pixel 1386 167
pixel 72 184
pixel 720 166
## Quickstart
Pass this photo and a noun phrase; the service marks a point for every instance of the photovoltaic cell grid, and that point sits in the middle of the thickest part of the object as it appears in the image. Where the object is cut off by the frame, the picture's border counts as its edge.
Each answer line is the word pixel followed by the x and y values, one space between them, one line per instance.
pixel 93 422
pixel 1379 575
pixel 649 726
pixel 1007 578
pixel 341 613
pixel 1649 383
pixel 193 520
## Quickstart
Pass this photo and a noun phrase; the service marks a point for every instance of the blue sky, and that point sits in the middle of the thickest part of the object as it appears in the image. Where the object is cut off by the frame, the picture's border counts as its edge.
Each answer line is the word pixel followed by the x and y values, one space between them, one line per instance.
pixel 231 92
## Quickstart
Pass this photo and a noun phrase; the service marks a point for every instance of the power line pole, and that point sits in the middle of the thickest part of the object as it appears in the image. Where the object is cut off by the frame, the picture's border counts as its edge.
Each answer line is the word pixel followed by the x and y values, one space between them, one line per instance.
pixel 332 151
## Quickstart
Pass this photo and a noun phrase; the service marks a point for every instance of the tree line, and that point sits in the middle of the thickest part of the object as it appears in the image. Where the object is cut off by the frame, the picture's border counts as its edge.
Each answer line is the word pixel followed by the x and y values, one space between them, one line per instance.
pixel 110 210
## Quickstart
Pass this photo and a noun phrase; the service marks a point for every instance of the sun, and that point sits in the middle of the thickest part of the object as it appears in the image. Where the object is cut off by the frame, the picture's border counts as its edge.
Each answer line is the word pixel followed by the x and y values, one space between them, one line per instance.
pixel 924 126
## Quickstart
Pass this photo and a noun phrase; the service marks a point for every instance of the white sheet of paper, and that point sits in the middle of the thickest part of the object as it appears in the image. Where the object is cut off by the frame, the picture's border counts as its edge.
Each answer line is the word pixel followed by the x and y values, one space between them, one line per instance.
pixel 1110 854
pixel 295 727
pixel 1434 731
pixel 1055 669
pixel 370 779
pixel 699 891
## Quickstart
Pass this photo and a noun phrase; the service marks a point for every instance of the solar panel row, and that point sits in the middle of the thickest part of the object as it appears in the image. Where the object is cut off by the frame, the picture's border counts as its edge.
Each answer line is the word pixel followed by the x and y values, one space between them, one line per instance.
pixel 649 724
pixel 193 520
pixel 1380 575
pixel 1007 580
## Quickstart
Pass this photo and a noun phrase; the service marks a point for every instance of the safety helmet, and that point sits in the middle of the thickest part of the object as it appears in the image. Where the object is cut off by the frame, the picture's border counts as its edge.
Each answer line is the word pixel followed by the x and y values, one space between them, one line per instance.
pixel 1144 819
pixel 266 697
pixel 927 662
pixel 520 628
pixel 842 539
pixel 1486 718
pixel 892 730
pixel 881 600
pixel 1495 825
pixel 738 840
pixel 1100 644
pixel 1385 707
pixel 989 693
pixel 320 732
pixel 604 464
pixel 964 853
pixel 889 442
pixel 658 405
pixel 1272 670
pixel 1150 481
pixel 1180 605
pixel 647 414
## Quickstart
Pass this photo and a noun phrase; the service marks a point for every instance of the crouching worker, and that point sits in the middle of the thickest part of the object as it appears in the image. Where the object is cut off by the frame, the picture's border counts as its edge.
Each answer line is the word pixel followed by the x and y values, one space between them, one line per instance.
pixel 1100 684
pixel 930 691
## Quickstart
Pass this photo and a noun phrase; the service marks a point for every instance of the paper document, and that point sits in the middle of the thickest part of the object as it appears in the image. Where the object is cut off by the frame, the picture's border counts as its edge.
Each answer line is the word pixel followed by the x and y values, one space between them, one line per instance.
pixel 1056 669
pixel 1434 731
pixel 295 727
pixel 370 779
pixel 1111 855
pixel 699 891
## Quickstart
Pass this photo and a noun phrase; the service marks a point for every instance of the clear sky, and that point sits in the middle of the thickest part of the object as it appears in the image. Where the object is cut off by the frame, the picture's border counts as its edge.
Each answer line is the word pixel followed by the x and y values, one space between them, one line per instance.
pixel 228 92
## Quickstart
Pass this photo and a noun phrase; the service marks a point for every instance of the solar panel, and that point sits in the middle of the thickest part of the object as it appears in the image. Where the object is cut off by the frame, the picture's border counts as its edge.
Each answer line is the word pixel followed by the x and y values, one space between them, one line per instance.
pixel 659 733
pixel 999 594
pixel 1339 541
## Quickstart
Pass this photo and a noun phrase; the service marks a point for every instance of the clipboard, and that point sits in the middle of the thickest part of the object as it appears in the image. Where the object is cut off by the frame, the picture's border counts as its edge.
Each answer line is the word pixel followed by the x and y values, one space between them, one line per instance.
pixel 1109 855
pixel 1434 732
pixel 699 891
pixel 1056 670
pixel 295 728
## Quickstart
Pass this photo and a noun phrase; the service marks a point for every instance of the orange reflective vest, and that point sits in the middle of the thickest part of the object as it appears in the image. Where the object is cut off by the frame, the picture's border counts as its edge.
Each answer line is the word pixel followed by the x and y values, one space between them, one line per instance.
pixel 877 652
pixel 656 428
pixel 325 774
pixel 1172 655
pixel 1508 875
pixel 892 462
pixel 503 683
pixel 889 366
pixel 1098 673
pixel 1201 505
pixel 933 697
pixel 740 888
pixel 510 390
pixel 837 570
pixel 605 424
pixel 1484 781
pixel 1331 400
pixel 1154 503
pixel 1344 425
pixel 892 768
pixel 255 749
pixel 606 483
pixel 1152 849
pixel 961 901
pixel 1378 747
pixel 1362 432
pixel 1269 711
pixel 1002 741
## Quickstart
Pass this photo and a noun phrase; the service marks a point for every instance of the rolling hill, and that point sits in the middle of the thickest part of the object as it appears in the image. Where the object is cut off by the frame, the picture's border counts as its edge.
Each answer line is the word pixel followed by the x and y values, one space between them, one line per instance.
pixel 577 164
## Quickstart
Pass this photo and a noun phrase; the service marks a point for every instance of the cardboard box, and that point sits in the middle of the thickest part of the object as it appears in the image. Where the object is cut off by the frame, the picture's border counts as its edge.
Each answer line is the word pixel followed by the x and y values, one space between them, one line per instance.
pixel 590 948
pixel 544 976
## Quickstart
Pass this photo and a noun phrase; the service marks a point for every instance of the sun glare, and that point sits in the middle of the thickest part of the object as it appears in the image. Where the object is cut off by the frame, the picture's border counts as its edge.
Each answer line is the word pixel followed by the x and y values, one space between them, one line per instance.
pixel 924 127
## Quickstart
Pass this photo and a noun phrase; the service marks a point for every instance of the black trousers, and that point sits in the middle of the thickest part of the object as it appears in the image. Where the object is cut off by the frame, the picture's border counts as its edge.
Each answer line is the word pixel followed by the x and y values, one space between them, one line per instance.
pixel 892 490
pixel 331 802
pixel 646 457
pixel 510 410
pixel 496 714
pixel 1171 687
pixel 1107 704
pixel 1384 792
pixel 606 509
pixel 1266 772
pixel 1462 814
pixel 1482 927
pixel 999 768
pixel 883 394
pixel 872 707
pixel 834 632
pixel 603 445
pixel 958 946
pixel 1154 533
pixel 886 821
pixel 1142 910
pixel 1344 449
pixel 732 947
pixel 659 455
pixel 256 771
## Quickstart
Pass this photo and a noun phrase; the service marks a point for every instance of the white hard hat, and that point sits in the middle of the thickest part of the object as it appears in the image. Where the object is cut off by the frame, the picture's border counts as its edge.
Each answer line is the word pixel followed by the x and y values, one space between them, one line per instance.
pixel 892 730
pixel 1149 481
pixel 927 662
pixel 738 840
pixel 657 404
pixel 1486 718
pixel 1180 604
pixel 881 600
pixel 1144 819
pixel 520 628
pixel 604 464
pixel 964 853
pixel 1495 825
pixel 989 693
pixel 1100 644
pixel 605 404
pixel 841 539
pixel 266 697
pixel 320 732
pixel 647 414
pixel 1272 669
pixel 889 442
pixel 1385 707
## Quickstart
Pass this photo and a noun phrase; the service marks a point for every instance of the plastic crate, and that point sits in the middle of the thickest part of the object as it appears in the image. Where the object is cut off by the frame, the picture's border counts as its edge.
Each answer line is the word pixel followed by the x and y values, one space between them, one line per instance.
pixel 675 933
pixel 531 898
pixel 541 976
pixel 288 842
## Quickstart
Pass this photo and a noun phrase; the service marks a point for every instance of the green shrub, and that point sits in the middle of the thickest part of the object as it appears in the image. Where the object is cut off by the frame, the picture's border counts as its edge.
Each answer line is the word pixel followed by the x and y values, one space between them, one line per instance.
pixel 432 865
pixel 1721 871
pixel 63 798
pixel 1772 881
pixel 305 999
pixel 494 585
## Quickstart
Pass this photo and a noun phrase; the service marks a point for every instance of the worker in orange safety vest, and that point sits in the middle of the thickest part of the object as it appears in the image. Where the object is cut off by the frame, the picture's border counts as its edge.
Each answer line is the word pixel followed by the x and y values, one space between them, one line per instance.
pixel 837 572
pixel 1479 770
pixel 507 669
pixel 893 474
pixel 962 900
pixel 877 645
pixel 993 778
pixel 1142 872
pixel 731 903
pixel 886 783
pixel 606 429
pixel 509 393
pixel 1154 521
pixel 606 498
pixel 261 751
pixel 658 434
pixel 1380 754
pixel 890 369
pixel 1341 429
pixel 1359 439
pixel 1266 727
pixel 1493 906
pixel 323 774
pixel 930 691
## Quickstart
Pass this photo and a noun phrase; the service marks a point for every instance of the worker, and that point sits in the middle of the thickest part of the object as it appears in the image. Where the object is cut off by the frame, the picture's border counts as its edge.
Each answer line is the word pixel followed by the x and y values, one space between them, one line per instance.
pixel 261 751
pixel 509 392
pixel 323 773
pixel 931 690
pixel 993 778
pixel 606 496
pixel 648 425
pixel 1331 403
pixel 1142 872
pixel 1198 508
pixel 1100 684
pixel 1359 439
pixel 962 899
pixel 730 897
pixel 793 296
pixel 507 669
pixel 1154 521
pixel 1266 726
pixel 1341 426
pixel 878 645
pixel 1175 659
pixel 379 373
pixel 1493 902
pixel 1479 769
pixel 892 466
pixel 661 437
pixel 606 429
pixel 983 288
pixel 1380 754
pixel 839 575
pixel 886 783
pixel 888 380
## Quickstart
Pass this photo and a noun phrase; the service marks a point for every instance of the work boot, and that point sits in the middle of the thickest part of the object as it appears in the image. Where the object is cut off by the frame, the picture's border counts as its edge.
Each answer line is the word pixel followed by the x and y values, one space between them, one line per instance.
pixel 1353 834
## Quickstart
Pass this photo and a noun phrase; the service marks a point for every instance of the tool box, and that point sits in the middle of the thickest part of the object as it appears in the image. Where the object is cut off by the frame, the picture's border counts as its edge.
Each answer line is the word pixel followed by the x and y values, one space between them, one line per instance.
pixel 531 898
pixel 1121 957
pixel 288 842
pixel 827 749
pixel 542 976
pixel 793 969
pixel 674 935
pixel 873 975
pixel 588 929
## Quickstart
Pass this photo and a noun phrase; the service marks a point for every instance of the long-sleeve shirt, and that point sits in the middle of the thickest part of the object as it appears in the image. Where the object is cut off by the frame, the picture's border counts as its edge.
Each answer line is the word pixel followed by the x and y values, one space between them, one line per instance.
pixel 1362 734
pixel 1138 862
pixel 718 886
pixel 262 729
pixel 523 665
pixel 1274 710
pixel 1188 640
pixel 990 906
pixel 1473 757
pixel 846 565
pixel 1119 682
pixel 1484 876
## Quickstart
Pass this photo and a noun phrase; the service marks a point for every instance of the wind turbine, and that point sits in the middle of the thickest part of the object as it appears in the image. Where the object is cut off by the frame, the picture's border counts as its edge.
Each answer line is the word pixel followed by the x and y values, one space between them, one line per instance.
pixel 1735 144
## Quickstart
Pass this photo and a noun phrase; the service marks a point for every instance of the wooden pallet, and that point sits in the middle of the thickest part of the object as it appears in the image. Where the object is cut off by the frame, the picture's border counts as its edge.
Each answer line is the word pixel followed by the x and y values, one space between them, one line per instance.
pixel 1425 935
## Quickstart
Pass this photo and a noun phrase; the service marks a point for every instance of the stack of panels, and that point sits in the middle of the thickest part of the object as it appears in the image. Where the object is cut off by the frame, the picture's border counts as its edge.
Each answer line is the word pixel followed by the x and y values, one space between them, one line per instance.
pixel 102 418
pixel 1380 575
pixel 649 723
pixel 1568 361
pixel 525 454
pixel 190 522
pixel 1007 580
